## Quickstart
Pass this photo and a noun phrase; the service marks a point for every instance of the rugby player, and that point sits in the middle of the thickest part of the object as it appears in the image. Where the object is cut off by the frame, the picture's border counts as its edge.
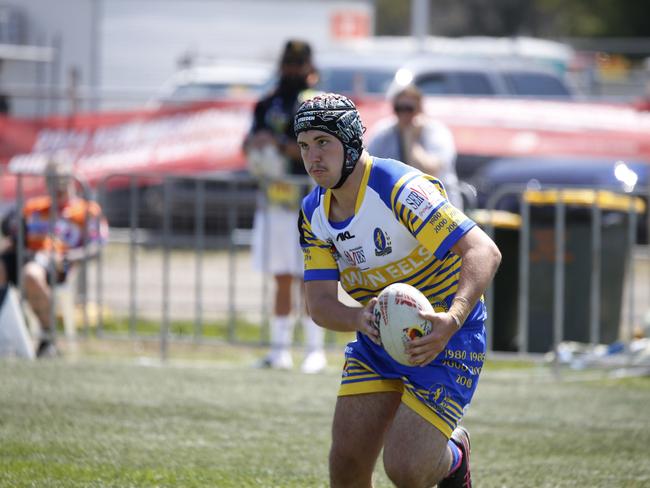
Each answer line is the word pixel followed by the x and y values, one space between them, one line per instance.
pixel 368 223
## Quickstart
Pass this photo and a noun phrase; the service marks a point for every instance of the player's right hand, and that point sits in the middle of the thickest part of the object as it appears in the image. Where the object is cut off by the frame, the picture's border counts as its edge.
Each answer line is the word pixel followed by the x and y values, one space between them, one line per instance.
pixel 367 325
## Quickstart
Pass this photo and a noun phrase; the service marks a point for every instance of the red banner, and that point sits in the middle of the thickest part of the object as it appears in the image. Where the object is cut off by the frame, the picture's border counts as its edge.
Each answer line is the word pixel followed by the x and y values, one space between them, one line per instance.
pixel 208 137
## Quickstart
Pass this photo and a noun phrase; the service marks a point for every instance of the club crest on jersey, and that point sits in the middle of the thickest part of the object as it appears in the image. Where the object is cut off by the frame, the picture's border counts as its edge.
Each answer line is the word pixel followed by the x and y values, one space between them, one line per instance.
pixel 382 243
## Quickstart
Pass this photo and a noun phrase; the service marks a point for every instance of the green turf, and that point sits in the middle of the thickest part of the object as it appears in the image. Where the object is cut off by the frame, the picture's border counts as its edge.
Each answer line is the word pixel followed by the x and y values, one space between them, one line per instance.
pixel 103 420
pixel 242 331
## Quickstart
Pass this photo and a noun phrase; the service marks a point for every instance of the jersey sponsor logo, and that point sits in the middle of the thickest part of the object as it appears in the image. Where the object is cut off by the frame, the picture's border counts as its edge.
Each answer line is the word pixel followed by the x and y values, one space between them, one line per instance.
pixel 421 197
pixel 381 277
pixel 355 257
pixel 344 236
pixel 414 200
pixel 428 190
pixel 382 242
pixel 422 209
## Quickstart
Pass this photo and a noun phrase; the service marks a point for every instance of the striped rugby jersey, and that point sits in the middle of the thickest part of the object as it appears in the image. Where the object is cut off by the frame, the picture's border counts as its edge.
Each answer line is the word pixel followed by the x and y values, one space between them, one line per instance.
pixel 402 230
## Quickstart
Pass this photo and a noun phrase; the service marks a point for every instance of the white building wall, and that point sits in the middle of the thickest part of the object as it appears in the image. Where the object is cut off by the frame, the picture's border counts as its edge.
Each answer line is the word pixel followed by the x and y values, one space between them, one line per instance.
pixel 68 23
pixel 125 49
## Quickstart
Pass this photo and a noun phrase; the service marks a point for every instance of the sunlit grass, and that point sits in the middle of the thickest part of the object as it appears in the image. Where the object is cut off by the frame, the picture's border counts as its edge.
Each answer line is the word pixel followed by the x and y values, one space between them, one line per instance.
pixel 112 414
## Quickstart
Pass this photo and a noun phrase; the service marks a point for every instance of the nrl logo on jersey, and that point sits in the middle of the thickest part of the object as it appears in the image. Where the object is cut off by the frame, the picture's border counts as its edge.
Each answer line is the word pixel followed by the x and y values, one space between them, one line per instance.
pixel 382 243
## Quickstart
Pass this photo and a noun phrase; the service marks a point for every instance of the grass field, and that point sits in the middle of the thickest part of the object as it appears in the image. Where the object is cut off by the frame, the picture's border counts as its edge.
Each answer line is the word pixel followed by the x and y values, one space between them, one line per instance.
pixel 106 418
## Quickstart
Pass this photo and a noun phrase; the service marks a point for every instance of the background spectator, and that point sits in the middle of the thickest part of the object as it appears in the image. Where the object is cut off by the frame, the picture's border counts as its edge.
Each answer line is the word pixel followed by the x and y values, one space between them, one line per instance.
pixel 273 154
pixel 79 231
pixel 415 139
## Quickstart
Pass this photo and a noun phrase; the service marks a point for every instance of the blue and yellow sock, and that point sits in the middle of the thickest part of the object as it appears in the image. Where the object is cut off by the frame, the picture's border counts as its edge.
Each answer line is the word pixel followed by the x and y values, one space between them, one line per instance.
pixel 456 456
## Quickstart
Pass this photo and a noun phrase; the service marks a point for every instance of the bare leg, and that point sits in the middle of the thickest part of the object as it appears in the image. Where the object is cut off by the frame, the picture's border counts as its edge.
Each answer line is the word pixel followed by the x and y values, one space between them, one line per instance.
pixel 282 306
pixel 416 453
pixel 38 292
pixel 358 430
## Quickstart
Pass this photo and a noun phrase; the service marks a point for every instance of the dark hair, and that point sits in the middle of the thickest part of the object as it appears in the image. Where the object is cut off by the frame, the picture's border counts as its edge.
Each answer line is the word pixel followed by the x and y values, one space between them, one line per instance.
pixel 296 52
pixel 410 90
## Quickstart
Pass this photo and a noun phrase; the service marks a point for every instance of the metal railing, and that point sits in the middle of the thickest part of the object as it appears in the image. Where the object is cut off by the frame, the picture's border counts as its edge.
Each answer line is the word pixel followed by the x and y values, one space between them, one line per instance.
pixel 172 269
pixel 598 280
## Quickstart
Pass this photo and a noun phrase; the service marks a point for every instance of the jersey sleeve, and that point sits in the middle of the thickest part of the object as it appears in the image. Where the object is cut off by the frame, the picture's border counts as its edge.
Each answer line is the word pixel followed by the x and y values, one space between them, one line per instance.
pixel 319 261
pixel 420 203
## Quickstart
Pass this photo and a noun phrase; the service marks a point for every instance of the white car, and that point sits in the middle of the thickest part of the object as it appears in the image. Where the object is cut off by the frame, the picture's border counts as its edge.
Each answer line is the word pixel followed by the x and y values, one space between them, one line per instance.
pixel 224 79
pixel 361 75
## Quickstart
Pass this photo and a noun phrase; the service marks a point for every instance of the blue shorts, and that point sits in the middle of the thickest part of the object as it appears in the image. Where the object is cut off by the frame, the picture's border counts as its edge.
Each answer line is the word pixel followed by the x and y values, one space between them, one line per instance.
pixel 440 392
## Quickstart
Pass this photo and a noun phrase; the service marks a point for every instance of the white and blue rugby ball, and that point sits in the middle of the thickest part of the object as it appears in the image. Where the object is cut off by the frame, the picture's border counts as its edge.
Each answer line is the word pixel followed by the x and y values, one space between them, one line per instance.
pixel 397 316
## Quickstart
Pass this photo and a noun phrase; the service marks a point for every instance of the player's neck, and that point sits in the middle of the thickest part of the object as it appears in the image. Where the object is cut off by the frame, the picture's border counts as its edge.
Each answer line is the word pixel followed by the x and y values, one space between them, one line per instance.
pixel 344 199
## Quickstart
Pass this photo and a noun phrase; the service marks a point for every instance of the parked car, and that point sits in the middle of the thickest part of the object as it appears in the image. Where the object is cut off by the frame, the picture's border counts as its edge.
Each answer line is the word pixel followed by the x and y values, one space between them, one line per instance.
pixel 356 75
pixel 483 78
pixel 628 177
pixel 224 79
pixel 229 201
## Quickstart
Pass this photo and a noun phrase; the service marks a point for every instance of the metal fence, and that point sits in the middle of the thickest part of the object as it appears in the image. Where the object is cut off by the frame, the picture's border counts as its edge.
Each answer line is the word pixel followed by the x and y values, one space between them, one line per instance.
pixel 595 266
pixel 178 264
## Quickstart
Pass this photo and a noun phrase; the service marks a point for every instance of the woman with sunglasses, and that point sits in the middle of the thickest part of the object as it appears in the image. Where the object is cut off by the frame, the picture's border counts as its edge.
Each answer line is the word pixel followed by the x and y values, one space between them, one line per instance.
pixel 412 137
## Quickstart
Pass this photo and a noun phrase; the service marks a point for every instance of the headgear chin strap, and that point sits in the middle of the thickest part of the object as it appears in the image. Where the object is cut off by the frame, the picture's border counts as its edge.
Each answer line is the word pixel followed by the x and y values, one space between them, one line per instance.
pixel 337 115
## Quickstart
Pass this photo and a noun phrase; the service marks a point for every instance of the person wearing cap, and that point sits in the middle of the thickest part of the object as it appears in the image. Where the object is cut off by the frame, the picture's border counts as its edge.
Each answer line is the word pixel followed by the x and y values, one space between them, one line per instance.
pixel 420 141
pixel 273 156
pixel 52 244
pixel 368 223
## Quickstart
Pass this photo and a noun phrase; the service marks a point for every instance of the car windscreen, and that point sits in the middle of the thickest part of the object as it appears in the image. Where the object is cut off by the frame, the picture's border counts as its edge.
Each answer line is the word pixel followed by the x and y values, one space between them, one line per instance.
pixel 207 91
pixel 355 80
pixel 535 84
pixel 455 83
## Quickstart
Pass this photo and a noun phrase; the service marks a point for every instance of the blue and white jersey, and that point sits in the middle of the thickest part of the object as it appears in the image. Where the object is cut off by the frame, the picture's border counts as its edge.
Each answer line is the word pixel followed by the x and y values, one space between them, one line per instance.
pixel 402 230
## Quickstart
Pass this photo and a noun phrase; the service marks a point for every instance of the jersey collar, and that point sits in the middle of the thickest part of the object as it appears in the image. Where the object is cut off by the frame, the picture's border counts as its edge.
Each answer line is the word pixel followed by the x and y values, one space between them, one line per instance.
pixel 362 188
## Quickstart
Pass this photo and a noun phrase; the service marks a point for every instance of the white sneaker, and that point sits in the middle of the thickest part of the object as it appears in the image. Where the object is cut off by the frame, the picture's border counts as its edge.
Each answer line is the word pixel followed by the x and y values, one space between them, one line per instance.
pixel 277 360
pixel 314 362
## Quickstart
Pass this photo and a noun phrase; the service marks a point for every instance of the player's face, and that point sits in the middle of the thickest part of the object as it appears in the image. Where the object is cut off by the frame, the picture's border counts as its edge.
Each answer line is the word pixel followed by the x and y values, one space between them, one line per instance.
pixel 322 155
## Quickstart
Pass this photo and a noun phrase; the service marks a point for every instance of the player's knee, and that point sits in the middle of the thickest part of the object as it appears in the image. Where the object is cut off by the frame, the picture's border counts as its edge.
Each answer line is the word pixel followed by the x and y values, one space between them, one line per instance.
pixel 405 475
pixel 411 473
pixel 33 275
pixel 345 465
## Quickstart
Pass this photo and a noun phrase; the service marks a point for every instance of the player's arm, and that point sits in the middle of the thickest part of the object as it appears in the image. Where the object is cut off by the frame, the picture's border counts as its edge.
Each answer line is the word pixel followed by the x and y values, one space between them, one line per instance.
pixel 328 312
pixel 480 260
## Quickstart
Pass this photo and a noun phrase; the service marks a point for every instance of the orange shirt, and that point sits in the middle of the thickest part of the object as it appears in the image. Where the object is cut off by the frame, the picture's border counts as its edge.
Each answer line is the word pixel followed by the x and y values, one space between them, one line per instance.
pixel 69 225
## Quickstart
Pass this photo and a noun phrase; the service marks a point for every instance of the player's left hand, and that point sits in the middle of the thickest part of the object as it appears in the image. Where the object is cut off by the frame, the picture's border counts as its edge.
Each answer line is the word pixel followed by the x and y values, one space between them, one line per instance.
pixel 424 349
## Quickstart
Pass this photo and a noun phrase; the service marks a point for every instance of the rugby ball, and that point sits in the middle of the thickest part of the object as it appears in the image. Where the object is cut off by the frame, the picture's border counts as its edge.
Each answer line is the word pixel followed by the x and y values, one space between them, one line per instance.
pixel 397 316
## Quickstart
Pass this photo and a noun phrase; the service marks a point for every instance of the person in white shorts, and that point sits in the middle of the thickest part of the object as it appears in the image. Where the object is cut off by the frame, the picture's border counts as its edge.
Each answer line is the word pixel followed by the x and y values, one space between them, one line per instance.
pixel 273 155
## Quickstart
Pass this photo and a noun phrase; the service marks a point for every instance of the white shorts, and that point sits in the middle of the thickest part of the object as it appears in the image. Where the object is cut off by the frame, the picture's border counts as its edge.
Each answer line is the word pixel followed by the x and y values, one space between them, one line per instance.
pixel 276 243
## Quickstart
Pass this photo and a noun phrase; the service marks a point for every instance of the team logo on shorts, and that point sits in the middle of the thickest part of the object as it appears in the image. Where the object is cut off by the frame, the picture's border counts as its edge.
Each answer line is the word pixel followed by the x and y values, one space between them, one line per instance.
pixel 382 243
pixel 438 398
